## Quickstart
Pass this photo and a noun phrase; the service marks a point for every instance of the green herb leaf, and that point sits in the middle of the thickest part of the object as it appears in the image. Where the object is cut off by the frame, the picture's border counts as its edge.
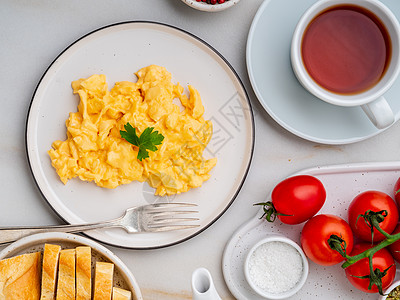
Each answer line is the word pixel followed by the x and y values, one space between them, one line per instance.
pixel 147 140
pixel 130 134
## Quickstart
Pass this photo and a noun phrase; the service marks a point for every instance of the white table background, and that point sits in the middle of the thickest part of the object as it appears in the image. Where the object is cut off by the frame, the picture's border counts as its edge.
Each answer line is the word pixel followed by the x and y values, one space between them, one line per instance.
pixel 34 32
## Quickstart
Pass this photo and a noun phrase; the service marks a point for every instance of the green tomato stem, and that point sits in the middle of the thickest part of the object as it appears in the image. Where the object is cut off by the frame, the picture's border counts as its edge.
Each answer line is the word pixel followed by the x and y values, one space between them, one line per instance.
pixel 270 212
pixel 375 224
pixel 370 252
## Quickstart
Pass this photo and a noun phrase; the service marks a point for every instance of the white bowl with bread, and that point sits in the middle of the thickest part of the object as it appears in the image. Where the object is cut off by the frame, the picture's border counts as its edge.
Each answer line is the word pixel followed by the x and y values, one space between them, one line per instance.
pixel 59 266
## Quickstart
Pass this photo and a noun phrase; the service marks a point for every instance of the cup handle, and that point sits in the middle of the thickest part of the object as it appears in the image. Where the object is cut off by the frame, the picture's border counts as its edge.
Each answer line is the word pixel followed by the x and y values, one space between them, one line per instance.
pixel 379 112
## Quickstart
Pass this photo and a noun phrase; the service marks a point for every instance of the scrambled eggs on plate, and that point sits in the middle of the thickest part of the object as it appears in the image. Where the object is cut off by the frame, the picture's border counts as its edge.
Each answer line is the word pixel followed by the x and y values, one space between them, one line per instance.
pixel 95 151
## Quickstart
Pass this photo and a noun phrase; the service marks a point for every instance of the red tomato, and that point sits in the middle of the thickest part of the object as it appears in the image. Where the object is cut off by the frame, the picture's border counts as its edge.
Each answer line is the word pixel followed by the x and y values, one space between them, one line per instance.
pixel 396 191
pixel 394 248
pixel 374 201
pixel 315 235
pixel 299 198
pixel 381 260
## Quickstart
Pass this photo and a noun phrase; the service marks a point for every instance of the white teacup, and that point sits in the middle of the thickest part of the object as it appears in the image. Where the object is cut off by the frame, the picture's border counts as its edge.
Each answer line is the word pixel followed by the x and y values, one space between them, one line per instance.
pixel 370 99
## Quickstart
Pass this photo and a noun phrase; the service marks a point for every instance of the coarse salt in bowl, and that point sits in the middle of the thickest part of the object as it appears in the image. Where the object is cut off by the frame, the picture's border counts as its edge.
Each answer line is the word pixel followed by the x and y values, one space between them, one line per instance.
pixel 276 267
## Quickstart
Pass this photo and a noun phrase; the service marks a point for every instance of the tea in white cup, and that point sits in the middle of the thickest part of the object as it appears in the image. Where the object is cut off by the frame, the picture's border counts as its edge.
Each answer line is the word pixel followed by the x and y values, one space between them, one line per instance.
pixel 347 53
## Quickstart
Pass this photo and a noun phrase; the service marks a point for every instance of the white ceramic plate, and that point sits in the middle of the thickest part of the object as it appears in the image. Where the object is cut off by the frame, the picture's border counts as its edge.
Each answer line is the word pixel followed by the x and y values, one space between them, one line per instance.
pixel 342 184
pixel 122 275
pixel 282 96
pixel 118 51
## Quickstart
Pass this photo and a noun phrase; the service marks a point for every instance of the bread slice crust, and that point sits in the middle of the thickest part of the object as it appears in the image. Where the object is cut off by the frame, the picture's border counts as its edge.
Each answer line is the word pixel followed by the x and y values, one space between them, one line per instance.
pixel 66 275
pixel 103 281
pixel 20 277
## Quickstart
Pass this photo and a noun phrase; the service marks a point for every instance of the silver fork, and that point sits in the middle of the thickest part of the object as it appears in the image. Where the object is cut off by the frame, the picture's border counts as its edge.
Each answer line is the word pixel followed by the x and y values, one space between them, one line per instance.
pixel 156 217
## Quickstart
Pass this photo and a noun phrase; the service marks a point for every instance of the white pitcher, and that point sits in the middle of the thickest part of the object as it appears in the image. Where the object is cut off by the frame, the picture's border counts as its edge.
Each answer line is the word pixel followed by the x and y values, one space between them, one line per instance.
pixel 203 286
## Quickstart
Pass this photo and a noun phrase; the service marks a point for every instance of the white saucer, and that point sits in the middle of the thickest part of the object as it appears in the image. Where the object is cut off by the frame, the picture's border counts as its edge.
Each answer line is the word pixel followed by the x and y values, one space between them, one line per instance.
pixel 342 184
pixel 282 96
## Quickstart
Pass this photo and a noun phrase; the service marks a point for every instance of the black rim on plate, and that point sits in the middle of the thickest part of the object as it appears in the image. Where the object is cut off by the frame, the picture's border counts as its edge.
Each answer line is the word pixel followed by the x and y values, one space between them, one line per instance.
pixel 252 127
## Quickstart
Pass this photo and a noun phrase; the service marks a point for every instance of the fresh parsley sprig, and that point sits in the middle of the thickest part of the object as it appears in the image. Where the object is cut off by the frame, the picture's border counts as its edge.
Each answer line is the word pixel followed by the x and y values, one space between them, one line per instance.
pixel 147 140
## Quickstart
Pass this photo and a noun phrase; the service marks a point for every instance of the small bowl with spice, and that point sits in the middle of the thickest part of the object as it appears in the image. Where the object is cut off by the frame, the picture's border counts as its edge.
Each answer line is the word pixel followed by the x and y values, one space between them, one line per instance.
pixel 276 267
pixel 211 5
pixel 392 292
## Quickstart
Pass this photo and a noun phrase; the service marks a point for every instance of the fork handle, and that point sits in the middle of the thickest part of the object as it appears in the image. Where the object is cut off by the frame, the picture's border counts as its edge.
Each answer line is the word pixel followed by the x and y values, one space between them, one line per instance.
pixel 11 234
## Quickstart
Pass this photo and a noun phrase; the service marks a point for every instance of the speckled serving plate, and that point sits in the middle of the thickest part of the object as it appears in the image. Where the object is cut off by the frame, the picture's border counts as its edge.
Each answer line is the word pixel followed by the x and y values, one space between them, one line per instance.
pixel 342 184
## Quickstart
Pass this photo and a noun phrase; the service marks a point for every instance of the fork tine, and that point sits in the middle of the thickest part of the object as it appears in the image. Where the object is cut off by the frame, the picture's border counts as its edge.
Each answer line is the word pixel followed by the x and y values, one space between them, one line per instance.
pixel 165 216
pixel 169 213
pixel 171 220
pixel 171 228
pixel 169 205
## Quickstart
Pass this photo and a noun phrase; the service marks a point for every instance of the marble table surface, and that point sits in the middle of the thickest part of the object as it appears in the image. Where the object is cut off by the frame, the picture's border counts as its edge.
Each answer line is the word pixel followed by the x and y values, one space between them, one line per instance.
pixel 33 33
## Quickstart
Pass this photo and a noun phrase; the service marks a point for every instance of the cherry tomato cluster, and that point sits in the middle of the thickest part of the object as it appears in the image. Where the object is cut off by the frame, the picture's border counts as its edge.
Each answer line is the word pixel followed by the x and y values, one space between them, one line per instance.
pixel 358 236
pixel 373 219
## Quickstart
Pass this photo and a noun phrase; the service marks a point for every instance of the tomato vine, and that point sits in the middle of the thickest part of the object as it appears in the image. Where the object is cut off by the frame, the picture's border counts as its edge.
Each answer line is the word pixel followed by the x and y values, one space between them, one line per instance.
pixel 373 219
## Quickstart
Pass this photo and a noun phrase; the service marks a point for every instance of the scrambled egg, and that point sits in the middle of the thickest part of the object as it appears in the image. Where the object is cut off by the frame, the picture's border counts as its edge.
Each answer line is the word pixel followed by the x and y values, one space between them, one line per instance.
pixel 95 151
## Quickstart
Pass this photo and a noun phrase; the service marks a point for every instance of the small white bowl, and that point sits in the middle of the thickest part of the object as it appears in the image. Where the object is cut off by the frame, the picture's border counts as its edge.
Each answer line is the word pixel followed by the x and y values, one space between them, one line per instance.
pixel 389 289
pixel 204 6
pixel 122 275
pixel 296 287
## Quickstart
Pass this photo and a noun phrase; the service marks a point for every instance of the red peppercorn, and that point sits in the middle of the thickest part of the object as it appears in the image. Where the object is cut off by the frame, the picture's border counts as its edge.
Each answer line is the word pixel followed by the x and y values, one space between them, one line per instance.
pixel 213 2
